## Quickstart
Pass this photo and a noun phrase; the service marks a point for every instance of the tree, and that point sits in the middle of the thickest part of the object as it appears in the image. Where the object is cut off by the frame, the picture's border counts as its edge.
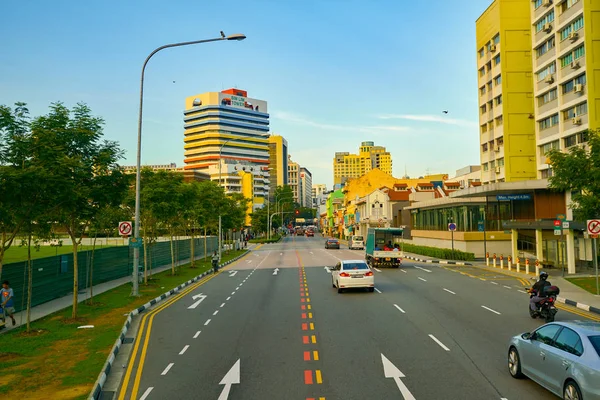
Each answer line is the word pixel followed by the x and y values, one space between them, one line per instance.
pixel 578 171
pixel 82 171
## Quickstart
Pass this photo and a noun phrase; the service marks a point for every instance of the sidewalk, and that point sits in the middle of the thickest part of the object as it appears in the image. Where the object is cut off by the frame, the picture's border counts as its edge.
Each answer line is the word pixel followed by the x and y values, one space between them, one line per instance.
pixel 61 303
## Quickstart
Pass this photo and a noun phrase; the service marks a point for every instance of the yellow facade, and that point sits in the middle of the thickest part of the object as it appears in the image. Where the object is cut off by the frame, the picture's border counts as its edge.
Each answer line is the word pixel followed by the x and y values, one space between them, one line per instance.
pixel 506 108
pixel 591 15
pixel 347 166
pixel 278 162
pixel 248 192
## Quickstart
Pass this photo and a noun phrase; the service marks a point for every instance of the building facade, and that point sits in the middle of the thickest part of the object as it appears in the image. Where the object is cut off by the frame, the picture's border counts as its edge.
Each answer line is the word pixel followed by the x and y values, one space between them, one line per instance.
pixel 506 109
pixel 293 178
pixel 278 162
pixel 305 188
pixel 566 62
pixel 347 166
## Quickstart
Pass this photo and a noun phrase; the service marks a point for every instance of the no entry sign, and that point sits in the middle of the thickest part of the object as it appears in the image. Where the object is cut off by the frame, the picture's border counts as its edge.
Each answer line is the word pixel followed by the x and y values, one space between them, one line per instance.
pixel 593 226
pixel 125 228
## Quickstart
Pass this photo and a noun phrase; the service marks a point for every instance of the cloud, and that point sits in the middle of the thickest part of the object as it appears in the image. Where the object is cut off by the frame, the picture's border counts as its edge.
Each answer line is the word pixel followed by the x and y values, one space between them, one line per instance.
pixel 372 129
pixel 430 118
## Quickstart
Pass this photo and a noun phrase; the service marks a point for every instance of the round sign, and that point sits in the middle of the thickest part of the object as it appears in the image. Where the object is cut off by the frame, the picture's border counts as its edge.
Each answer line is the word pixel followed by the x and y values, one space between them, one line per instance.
pixel 451 226
pixel 593 226
pixel 125 228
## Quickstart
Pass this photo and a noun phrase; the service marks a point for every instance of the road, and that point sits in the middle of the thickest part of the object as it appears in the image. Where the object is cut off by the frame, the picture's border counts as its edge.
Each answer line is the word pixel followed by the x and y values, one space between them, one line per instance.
pixel 271 326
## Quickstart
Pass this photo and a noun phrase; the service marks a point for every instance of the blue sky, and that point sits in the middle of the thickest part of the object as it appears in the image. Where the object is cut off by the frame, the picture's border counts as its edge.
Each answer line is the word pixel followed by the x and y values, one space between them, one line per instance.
pixel 335 72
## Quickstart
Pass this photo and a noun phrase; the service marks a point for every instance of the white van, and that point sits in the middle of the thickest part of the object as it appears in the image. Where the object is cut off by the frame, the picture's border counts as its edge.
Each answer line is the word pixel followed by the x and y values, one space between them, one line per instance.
pixel 356 242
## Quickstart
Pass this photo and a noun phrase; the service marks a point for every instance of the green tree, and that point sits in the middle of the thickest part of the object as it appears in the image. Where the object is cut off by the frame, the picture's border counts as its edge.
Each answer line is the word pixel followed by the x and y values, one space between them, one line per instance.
pixel 82 171
pixel 578 171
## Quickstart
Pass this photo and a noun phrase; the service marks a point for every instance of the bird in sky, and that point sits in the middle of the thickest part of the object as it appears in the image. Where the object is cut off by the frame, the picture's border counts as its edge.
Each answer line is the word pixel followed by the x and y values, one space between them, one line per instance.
pixel 445 112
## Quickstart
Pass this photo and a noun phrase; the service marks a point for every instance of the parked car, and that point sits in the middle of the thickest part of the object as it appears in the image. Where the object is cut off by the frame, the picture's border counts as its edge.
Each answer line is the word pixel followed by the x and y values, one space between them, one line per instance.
pixel 310 233
pixel 350 274
pixel 332 243
pixel 563 357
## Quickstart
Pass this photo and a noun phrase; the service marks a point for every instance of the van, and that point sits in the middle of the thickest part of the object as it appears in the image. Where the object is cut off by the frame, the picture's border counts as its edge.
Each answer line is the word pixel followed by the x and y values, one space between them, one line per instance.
pixel 356 242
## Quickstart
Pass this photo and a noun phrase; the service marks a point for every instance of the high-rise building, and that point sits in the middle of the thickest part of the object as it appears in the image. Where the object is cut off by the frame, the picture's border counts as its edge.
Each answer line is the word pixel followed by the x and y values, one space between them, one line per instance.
pixel 278 162
pixel 305 188
pixel 293 178
pixel 226 136
pixel 346 165
pixel 318 191
pixel 565 41
pixel 506 109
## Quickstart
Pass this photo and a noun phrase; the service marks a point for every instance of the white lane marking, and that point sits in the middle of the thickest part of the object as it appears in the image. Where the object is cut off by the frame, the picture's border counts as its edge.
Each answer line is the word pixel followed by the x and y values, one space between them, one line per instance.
pixel 504 398
pixel 237 288
pixel 216 312
pixel 522 291
pixel 423 269
pixel 377 290
pixel 263 260
pixel 222 305
pixel 146 393
pixel 398 307
pixel 197 334
pixel 232 293
pixel 424 280
pixel 493 283
pixel 378 270
pixel 166 370
pixel 280 254
pixel 489 309
pixel 449 291
pixel 442 345
pixel 508 287
pixel 311 252
pixel 227 299
pixel 187 346
pixel 241 284
pixel 403 270
pixel 207 322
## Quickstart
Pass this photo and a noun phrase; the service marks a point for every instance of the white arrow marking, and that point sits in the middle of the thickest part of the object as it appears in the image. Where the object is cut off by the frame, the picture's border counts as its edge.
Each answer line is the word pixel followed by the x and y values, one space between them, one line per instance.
pixel 275 271
pixel 201 298
pixel 231 378
pixel 391 371
pixel 232 273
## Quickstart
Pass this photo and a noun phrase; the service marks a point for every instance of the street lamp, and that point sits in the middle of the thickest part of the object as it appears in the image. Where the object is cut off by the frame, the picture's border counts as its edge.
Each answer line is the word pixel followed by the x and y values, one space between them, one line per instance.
pixel 136 232
pixel 270 220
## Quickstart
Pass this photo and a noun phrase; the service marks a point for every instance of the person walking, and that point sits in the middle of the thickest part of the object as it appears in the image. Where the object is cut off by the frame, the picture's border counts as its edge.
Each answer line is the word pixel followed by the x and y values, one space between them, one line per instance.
pixel 6 300
pixel 215 262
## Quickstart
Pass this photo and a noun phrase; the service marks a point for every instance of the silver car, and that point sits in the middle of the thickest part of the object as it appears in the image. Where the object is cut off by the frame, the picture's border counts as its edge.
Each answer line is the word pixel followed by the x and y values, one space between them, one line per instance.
pixel 563 357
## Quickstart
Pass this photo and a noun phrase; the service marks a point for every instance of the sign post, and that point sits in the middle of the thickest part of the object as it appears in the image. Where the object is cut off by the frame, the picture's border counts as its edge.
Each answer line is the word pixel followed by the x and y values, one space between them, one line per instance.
pixel 452 228
pixel 593 229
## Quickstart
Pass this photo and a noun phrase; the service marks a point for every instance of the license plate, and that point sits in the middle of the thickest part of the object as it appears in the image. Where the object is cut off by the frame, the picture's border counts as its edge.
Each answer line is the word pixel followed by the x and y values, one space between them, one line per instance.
pixel 357 276
pixel 387 259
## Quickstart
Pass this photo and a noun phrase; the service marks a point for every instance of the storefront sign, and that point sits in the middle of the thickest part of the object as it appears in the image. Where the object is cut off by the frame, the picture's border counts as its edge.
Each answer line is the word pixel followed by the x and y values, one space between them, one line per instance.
pixel 505 197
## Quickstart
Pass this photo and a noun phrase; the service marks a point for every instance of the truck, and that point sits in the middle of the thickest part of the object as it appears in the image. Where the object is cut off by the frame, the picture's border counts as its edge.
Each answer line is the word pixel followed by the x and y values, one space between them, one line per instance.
pixel 379 239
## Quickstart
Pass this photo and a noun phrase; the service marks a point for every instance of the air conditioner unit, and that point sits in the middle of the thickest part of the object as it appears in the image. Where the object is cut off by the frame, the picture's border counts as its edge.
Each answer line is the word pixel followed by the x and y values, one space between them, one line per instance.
pixel 547 28
pixel 576 121
pixel 575 65
pixel 497 149
pixel 547 3
pixel 493 48
pixel 578 88
pixel 573 36
pixel 549 79
pixel 497 170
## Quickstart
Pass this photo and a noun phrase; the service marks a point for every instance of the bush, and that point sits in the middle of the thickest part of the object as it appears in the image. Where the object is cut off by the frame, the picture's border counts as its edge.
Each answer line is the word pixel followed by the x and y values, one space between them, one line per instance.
pixel 436 252
pixel 274 239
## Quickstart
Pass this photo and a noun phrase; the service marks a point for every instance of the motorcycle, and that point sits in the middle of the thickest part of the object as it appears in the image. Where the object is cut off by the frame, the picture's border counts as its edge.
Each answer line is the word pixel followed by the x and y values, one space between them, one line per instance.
pixel 546 307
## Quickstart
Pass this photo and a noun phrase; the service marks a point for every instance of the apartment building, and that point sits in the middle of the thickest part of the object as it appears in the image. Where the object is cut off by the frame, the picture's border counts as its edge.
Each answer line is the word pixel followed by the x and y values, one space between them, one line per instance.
pixel 506 107
pixel 293 178
pixel 566 64
pixel 305 188
pixel 347 166
pixel 278 162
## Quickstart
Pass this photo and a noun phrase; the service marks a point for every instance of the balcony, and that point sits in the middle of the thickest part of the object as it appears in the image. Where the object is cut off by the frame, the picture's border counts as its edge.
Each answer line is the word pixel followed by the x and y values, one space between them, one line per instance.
pixel 568 124
pixel 571 43
pixel 553 130
pixel 569 13
pixel 544 58
pixel 573 96
pixel 571 71
pixel 540 11
pixel 549 106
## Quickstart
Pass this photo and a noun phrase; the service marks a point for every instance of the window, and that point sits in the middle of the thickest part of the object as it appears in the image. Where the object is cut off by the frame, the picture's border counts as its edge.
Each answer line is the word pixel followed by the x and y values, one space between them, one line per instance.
pixel 353 266
pixel 565 5
pixel 545 20
pixel 582 137
pixel 484 147
pixel 537 4
pixel 485 168
pixel 482 90
pixel 575 26
pixel 483 128
pixel 566 60
pixel 549 70
pixel 489 86
pixel 546 173
pixel 499 121
pixel 482 71
pixel 489 66
pixel 497 60
pixel 545 148
pixel 501 162
pixel 498 80
pixel 496 39
pixel 500 141
pixel 492 164
pixel 498 100
pixel 546 334
pixel 579 52
pixel 570 141
pixel 483 109
pixel 548 122
pixel 595 342
pixel 547 46
pixel 481 52
pixel 569 86
pixel 548 97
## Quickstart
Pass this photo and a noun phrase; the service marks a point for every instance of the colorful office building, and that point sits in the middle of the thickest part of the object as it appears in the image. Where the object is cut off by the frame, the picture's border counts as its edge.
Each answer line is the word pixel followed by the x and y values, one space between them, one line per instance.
pixel 347 166
pixel 278 162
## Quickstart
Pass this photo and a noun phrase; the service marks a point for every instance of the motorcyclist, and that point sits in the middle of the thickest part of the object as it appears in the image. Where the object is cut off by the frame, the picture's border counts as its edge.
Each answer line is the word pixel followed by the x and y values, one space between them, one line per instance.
pixel 538 290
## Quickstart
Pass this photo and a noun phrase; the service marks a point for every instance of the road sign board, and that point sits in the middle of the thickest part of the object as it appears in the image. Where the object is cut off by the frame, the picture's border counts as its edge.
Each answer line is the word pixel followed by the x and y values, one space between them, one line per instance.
pixel 594 236
pixel 593 226
pixel 565 224
pixel 125 228
pixel 556 223
pixel 451 226
pixel 561 217
pixel 135 242
pixel 557 231
pixel 480 226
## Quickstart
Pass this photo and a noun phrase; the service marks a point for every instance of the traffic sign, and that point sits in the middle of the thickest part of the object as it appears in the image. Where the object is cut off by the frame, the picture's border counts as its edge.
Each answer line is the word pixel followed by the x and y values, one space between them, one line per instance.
pixel 480 226
pixel 561 217
pixel 565 225
pixel 593 226
pixel 125 228
pixel 557 232
pixel 556 223
pixel 135 242
pixel 451 226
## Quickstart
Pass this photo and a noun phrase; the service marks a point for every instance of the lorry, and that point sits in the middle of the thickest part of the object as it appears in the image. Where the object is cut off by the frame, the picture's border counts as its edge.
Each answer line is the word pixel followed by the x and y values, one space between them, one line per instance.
pixel 383 247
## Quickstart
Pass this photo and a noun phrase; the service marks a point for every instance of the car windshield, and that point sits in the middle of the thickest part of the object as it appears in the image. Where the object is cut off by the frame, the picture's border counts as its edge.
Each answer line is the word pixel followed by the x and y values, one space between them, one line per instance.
pixel 596 343
pixel 361 265
pixel 333 240
pixel 359 238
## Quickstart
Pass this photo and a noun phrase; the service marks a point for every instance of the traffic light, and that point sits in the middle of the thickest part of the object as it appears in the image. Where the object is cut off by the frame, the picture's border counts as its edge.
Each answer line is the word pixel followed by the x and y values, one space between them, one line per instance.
pixel 297 212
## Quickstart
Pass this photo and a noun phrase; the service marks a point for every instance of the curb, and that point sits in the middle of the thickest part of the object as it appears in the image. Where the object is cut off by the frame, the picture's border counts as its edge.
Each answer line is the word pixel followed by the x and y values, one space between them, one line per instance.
pixel 99 384
pixel 437 261
pixel 581 306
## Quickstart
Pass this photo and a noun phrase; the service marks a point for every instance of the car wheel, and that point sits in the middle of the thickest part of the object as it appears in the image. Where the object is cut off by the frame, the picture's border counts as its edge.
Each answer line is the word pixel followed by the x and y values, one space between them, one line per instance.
pixel 371 289
pixel 332 283
pixel 514 363
pixel 571 391
pixel 532 313
pixel 340 290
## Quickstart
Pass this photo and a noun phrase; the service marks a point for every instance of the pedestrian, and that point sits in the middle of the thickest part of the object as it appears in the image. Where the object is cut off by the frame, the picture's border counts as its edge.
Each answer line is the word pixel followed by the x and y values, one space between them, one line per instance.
pixel 6 296
pixel 215 262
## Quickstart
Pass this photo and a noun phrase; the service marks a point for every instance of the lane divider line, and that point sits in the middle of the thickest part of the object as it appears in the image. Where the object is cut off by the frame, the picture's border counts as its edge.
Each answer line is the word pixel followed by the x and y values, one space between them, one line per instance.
pixel 166 370
pixel 146 393
pixel 442 345
pixel 449 291
pixel 489 309
pixel 207 322
pixel 377 290
pixel 187 346
pixel 424 280
pixel 398 307
pixel 197 334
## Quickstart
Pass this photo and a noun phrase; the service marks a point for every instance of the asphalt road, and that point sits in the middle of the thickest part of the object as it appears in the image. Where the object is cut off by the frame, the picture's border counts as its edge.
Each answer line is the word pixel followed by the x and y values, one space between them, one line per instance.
pixel 271 327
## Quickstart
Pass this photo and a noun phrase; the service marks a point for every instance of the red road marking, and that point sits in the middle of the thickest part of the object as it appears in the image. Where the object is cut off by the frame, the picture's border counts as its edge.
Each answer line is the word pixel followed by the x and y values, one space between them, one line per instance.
pixel 307 356
pixel 302 294
pixel 308 379
pixel 304 326
pixel 303 307
pixel 303 315
pixel 302 300
pixel 305 339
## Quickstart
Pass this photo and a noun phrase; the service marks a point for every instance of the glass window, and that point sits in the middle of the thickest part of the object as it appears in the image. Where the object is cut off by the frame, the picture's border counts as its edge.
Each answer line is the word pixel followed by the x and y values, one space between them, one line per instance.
pixel 566 60
pixel 548 122
pixel 485 166
pixel 579 52
pixel 570 141
pixel 484 147
pixel 353 266
pixel 545 148
pixel 545 20
pixel 499 121
pixel 481 52
pixel 482 90
pixel 582 137
pixel 550 69
pixel 548 96
pixel 544 48
pixel 498 80
pixel 568 340
pixel 496 39
pixel 537 4
pixel 546 333
pixel 498 100
pixel 595 342
pixel 482 71
pixel 497 60
pixel 501 162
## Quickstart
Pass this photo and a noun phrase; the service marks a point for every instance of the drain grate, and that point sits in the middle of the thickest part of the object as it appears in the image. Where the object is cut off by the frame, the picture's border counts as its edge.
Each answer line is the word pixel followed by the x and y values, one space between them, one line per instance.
pixel 127 340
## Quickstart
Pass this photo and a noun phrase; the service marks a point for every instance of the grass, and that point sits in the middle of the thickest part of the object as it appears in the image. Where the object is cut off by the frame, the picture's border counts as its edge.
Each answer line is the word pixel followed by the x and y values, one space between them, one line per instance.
pixel 19 253
pixel 588 284
pixel 57 360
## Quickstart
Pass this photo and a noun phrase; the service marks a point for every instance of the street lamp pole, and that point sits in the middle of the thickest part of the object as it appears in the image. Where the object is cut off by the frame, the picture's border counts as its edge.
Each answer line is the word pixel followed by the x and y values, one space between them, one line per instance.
pixel 136 250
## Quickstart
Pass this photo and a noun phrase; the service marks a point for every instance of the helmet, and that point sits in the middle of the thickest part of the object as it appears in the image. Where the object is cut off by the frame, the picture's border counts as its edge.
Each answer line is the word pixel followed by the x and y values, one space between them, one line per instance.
pixel 543 275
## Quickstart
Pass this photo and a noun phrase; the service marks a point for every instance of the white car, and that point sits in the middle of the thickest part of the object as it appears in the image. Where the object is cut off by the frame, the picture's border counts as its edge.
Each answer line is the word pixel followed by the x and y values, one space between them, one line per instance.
pixel 350 274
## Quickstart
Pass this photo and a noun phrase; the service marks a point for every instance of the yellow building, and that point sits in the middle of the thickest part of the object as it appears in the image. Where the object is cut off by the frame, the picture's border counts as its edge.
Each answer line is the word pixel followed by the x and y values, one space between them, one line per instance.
pixel 278 162
pixel 346 165
pixel 566 72
pixel 506 110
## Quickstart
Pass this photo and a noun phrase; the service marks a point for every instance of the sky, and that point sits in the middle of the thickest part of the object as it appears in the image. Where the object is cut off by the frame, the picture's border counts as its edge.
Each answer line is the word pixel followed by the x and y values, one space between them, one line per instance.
pixel 334 72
